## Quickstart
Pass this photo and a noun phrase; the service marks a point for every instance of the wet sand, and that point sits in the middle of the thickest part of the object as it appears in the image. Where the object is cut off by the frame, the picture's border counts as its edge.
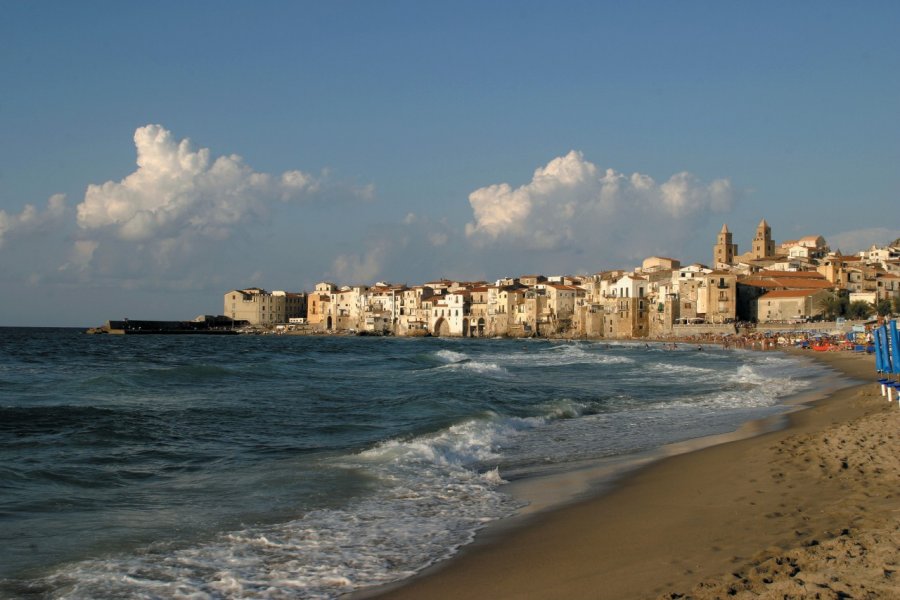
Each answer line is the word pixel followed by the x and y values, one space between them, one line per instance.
pixel 811 510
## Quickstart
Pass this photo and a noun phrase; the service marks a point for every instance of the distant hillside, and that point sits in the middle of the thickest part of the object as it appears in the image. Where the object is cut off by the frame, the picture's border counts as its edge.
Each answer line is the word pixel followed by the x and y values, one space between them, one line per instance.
pixel 895 243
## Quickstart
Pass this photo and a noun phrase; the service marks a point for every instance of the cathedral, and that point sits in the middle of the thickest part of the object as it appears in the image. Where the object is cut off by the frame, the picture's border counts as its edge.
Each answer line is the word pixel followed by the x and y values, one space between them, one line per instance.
pixel 725 252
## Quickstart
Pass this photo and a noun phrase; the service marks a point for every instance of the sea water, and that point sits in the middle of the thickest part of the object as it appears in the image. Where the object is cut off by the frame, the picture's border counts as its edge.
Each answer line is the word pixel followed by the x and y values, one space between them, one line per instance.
pixel 308 467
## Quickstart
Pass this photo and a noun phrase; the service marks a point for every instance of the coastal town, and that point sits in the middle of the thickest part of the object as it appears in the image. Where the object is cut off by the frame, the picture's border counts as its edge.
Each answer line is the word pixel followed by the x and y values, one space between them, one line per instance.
pixel 787 284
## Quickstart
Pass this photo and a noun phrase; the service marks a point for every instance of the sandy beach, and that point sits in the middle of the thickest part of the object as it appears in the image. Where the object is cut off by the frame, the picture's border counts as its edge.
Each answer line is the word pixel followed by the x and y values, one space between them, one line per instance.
pixel 807 511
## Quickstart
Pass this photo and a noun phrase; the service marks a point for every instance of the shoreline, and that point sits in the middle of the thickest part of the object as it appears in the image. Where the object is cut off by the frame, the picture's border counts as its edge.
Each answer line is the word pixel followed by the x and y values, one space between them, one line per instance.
pixel 707 523
pixel 547 492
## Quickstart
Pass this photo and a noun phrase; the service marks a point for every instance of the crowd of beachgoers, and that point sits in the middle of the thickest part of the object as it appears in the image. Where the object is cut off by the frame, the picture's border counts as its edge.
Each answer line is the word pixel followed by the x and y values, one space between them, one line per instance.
pixel 854 342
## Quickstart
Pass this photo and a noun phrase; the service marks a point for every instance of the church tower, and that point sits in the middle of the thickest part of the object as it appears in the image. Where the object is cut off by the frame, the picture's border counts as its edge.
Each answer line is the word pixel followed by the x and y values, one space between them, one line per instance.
pixel 724 251
pixel 763 246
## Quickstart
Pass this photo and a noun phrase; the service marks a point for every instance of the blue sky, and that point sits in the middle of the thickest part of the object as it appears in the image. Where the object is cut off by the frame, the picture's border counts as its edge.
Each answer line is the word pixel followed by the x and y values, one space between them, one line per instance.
pixel 155 156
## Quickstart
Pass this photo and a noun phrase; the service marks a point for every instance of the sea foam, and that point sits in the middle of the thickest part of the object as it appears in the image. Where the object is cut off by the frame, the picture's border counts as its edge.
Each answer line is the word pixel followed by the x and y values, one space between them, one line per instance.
pixel 434 493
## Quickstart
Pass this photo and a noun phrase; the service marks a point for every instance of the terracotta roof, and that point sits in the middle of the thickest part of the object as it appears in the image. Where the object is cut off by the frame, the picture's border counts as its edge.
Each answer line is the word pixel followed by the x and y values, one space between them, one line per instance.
pixel 795 274
pixel 788 294
pixel 819 284
pixel 787 283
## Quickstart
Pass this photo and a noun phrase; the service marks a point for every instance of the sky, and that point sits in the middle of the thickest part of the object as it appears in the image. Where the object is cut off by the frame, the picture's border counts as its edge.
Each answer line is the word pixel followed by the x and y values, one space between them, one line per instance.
pixel 154 156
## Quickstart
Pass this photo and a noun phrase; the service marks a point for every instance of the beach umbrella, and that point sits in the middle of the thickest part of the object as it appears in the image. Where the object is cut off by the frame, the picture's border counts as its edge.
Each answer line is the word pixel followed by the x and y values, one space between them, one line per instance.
pixel 895 348
pixel 886 367
pixel 879 366
pixel 892 343
pixel 885 349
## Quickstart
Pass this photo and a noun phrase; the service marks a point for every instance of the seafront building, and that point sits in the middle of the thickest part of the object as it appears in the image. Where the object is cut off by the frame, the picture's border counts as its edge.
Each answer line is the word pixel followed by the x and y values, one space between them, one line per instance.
pixel 258 307
pixel 790 282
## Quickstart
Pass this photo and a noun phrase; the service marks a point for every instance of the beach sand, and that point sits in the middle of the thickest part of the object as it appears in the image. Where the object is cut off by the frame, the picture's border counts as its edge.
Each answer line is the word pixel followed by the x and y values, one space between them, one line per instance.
pixel 811 510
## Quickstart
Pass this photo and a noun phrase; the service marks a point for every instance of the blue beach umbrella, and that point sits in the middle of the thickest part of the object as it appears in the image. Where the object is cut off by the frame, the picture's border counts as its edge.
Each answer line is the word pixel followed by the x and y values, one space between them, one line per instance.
pixel 885 350
pixel 895 348
pixel 879 367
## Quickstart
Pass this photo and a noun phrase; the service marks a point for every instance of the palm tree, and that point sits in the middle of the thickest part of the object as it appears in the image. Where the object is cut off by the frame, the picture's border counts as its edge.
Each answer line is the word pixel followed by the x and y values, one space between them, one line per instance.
pixel 831 306
pixel 860 309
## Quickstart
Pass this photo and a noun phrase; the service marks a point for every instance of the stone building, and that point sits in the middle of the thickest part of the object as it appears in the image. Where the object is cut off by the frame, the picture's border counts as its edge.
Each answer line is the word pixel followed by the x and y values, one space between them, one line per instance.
pixel 561 301
pixel 763 245
pixel 479 307
pixel 319 313
pixel 718 301
pixel 652 264
pixel 786 306
pixel 627 308
pixel 725 249
pixel 412 317
pixel 887 286
pixel 264 309
pixel 449 314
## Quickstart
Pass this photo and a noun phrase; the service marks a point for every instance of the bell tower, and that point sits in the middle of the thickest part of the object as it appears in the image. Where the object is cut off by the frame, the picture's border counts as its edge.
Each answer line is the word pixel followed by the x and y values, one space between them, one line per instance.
pixel 724 250
pixel 763 246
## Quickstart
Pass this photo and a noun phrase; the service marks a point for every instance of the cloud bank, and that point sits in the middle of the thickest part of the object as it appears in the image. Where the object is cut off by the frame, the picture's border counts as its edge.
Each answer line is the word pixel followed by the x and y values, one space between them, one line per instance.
pixel 849 242
pixel 31 219
pixel 185 221
pixel 570 202
pixel 570 217
pixel 411 250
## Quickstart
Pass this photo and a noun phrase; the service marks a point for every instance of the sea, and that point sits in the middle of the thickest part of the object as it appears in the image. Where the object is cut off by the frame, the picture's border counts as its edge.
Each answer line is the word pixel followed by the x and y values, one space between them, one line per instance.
pixel 312 466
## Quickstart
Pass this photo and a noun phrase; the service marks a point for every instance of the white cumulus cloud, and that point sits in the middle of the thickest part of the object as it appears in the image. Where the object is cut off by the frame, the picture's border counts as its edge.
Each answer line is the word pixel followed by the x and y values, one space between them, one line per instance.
pixel 178 189
pixel 571 202
pixel 31 219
